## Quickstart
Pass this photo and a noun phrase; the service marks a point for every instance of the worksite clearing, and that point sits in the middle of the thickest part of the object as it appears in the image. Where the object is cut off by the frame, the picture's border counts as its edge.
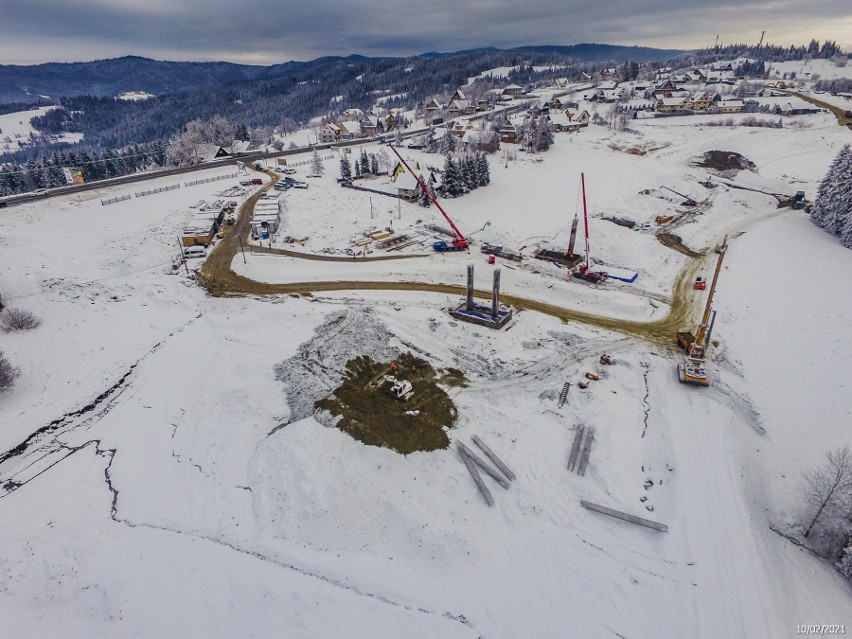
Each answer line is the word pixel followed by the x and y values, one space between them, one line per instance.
pixel 208 456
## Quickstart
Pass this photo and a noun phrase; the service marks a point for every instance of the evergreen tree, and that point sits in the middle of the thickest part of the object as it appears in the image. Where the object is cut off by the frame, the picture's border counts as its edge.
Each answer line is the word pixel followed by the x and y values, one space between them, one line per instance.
pixel 468 172
pixel 365 163
pixel 845 563
pixel 317 167
pixel 453 185
pixel 423 198
pixel 543 134
pixel 447 144
pixel 374 164
pixel 483 170
pixel 345 168
pixel 832 209
pixel 430 143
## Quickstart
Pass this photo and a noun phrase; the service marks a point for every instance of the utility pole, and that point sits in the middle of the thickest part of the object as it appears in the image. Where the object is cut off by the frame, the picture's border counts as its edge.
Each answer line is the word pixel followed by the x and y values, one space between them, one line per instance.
pixel 240 237
pixel 182 256
pixel 759 44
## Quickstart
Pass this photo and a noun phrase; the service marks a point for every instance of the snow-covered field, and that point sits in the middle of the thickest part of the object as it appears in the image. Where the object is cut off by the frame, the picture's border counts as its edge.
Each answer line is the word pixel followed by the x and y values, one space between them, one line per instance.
pixel 16 128
pixel 178 504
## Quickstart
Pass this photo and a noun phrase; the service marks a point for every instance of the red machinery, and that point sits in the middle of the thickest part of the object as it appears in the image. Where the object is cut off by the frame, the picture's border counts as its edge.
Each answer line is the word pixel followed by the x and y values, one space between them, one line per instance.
pixel 584 271
pixel 461 243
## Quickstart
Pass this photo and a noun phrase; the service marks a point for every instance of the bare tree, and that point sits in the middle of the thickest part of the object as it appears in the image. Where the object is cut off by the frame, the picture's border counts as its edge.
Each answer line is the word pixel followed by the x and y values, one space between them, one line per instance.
pixel 17 319
pixel 222 132
pixel 827 489
pixel 8 373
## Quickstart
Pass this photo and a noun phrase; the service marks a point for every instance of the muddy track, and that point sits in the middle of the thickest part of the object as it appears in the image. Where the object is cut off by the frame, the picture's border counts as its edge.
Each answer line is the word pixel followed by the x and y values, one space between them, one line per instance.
pixel 839 112
pixel 217 277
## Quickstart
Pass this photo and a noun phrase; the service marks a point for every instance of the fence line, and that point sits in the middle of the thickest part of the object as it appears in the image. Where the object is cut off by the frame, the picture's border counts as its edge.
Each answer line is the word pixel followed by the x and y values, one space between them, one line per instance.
pixel 113 200
pixel 211 179
pixel 171 187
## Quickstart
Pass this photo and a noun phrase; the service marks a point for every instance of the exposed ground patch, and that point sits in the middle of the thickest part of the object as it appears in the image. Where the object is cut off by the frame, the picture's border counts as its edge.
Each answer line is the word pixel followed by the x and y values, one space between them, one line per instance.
pixel 368 412
pixel 726 161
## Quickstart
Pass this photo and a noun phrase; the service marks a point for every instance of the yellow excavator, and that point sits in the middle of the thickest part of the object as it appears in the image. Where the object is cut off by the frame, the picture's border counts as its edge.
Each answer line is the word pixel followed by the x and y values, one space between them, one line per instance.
pixel 691 370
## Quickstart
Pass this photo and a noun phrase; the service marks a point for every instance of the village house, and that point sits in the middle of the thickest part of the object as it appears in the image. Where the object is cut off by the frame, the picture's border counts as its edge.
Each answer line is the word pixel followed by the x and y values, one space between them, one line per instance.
pixel 509 132
pixel 582 119
pixel 672 105
pixel 329 133
pixel 407 186
pixel 729 106
pixel 700 101
pixel 584 77
pixel 560 121
pixel 461 126
pixel 353 114
pixel 370 125
pixel 350 130
pixel 511 92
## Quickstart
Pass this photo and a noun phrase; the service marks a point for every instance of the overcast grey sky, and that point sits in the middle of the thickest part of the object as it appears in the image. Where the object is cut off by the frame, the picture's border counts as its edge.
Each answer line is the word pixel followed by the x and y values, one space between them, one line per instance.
pixel 271 31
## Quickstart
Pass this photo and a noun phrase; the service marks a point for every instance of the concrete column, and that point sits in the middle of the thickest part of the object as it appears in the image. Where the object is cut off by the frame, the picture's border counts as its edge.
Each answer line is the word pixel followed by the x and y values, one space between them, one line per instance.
pixel 469 304
pixel 495 294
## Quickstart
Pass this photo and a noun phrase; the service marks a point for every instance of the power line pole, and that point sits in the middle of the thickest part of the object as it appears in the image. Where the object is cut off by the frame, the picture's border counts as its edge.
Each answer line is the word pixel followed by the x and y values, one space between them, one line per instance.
pixel 183 256
pixel 240 237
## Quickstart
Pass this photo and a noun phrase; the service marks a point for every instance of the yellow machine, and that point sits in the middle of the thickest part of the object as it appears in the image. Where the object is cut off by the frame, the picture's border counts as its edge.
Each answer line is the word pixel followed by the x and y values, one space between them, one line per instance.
pixel 691 370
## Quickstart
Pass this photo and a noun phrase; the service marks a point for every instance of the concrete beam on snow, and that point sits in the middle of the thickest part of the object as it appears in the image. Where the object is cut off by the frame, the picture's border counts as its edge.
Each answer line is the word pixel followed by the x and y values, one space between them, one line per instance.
pixel 497 461
pixel 471 468
pixel 633 519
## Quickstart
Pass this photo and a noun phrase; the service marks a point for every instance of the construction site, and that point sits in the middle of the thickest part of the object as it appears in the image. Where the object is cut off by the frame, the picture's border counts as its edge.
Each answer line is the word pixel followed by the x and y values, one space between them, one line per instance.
pixel 316 425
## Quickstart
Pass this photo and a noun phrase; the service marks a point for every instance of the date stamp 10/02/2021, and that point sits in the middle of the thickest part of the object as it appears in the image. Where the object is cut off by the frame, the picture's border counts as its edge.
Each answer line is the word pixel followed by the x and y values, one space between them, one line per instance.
pixel 820 629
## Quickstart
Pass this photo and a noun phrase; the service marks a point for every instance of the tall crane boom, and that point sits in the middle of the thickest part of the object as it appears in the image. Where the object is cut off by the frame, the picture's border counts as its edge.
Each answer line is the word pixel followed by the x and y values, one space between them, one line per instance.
pixel 691 370
pixel 705 319
pixel 461 242
pixel 585 216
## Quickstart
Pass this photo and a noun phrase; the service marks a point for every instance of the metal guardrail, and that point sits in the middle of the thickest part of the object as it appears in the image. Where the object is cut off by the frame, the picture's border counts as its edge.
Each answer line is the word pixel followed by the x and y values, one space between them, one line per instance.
pixel 113 200
pixel 171 187
pixel 211 179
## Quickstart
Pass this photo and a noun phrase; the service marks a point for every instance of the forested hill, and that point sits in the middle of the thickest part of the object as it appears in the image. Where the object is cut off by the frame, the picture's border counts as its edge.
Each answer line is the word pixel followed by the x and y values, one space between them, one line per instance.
pixel 110 78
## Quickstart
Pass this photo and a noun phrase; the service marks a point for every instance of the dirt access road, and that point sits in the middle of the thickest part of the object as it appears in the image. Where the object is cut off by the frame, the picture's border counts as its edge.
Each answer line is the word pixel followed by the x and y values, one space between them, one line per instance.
pixel 220 280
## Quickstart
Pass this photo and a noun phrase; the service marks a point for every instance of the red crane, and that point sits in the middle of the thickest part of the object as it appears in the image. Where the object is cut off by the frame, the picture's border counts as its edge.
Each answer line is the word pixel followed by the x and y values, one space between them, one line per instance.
pixel 461 243
pixel 584 271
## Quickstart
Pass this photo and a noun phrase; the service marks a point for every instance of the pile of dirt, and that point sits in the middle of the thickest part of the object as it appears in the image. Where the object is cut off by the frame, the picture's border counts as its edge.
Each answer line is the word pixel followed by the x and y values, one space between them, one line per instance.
pixel 726 161
pixel 365 409
pixel 326 379
pixel 621 221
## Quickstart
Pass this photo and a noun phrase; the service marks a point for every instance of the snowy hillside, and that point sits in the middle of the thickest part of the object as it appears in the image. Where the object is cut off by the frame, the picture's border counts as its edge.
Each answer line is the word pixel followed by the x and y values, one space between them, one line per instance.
pixel 175 488
pixel 16 128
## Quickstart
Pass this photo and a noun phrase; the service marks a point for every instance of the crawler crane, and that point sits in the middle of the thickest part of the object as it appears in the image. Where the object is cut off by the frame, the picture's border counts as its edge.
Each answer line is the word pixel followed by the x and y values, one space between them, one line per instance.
pixel 691 370
pixel 460 243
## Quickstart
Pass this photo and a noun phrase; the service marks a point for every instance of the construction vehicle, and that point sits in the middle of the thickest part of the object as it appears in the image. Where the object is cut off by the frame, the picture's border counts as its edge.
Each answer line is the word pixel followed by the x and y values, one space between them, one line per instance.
pixel 688 201
pixel 691 370
pixel 584 271
pixel 663 219
pixel 460 243
pixel 401 389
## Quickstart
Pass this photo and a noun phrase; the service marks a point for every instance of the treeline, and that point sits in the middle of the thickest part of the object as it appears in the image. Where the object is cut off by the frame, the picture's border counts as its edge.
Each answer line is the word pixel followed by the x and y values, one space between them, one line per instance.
pixel 48 172
pixel 768 52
